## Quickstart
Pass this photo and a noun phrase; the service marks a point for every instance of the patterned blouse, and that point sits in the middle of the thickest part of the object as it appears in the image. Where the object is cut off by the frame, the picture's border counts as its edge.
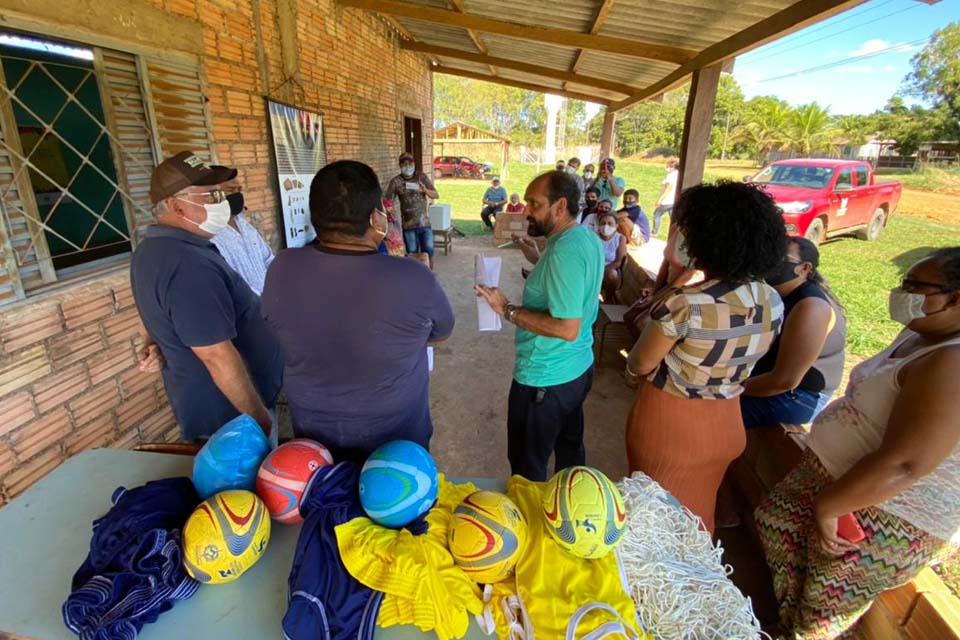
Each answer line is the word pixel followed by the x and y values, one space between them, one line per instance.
pixel 723 329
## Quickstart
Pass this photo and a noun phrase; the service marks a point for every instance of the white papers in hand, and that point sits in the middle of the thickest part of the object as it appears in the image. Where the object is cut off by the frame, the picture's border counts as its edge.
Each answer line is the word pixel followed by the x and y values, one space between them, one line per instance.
pixel 487 274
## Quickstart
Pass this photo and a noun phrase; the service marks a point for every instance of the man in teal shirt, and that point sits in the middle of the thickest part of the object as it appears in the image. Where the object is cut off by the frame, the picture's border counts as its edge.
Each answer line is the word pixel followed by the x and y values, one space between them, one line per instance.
pixel 554 339
pixel 610 186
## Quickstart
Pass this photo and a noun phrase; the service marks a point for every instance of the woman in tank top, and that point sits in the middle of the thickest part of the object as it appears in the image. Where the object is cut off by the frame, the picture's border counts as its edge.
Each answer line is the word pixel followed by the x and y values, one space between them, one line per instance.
pixel 796 378
pixel 886 452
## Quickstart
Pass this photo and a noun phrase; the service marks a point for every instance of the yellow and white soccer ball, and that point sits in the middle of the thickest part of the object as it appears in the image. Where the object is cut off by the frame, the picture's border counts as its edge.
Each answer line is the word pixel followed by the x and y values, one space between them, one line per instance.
pixel 487 536
pixel 584 512
pixel 225 536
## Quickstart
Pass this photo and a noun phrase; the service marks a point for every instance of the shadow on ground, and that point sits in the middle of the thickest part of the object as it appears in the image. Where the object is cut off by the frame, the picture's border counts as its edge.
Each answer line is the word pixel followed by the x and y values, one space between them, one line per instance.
pixel 472 375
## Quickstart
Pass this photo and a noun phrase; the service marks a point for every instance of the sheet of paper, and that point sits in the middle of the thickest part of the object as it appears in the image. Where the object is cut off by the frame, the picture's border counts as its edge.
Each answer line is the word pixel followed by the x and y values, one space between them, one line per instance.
pixel 488 274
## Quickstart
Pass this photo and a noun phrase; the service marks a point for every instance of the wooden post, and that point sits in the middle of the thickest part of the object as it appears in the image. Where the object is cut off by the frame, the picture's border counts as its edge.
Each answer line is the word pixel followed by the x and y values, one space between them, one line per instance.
pixel 697 124
pixel 504 158
pixel 607 139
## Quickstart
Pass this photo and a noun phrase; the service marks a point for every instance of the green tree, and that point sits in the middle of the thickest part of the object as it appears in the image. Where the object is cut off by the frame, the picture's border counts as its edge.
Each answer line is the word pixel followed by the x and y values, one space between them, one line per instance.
pixel 856 130
pixel 936 79
pixel 515 113
pixel 764 127
pixel 810 130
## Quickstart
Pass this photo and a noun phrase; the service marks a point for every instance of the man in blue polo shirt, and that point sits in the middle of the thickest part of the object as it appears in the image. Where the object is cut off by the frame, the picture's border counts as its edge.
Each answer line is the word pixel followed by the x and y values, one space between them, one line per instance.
pixel 221 359
pixel 554 341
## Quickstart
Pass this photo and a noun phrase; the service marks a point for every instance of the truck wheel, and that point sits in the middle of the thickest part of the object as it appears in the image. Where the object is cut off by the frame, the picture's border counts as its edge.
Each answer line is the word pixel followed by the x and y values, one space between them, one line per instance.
pixel 816 231
pixel 874 227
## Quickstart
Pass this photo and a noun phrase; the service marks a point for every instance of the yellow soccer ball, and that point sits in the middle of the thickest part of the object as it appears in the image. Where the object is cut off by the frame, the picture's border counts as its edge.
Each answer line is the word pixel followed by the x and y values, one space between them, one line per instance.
pixel 487 536
pixel 584 512
pixel 225 536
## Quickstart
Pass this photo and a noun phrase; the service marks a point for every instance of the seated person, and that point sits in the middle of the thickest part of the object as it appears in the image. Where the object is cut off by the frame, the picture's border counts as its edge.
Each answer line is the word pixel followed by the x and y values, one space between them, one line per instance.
pixel 515 206
pixel 631 220
pixel 591 198
pixel 794 381
pixel 614 251
pixel 493 200
pixel 592 220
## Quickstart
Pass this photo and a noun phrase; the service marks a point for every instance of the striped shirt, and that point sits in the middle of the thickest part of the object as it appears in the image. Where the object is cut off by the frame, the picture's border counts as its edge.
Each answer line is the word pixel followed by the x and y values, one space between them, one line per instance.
pixel 245 251
pixel 722 330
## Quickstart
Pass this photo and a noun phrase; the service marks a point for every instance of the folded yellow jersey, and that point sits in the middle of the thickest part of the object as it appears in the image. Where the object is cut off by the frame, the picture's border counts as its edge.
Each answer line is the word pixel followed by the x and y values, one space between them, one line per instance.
pixel 423 585
pixel 555 595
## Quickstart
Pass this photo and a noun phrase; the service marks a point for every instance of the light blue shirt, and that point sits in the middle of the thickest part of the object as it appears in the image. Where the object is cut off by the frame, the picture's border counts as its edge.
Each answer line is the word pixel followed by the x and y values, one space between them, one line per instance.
pixel 566 284
pixel 245 251
pixel 606 190
pixel 498 194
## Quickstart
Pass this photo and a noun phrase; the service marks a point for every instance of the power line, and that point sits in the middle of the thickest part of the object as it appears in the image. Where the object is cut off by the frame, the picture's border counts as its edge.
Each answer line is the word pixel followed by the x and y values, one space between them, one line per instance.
pixel 845 61
pixel 803 34
pixel 827 37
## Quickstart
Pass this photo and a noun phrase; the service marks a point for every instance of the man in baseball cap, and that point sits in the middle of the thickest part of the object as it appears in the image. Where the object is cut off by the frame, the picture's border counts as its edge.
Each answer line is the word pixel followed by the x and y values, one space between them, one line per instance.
pixel 414 189
pixel 220 358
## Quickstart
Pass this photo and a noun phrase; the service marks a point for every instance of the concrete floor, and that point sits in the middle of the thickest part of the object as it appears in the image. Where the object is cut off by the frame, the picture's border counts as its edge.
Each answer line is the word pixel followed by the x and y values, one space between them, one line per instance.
pixel 473 370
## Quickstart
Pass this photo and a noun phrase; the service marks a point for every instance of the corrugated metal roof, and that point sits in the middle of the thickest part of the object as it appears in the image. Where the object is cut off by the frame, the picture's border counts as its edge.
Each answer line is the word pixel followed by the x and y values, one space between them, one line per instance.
pixel 540 53
pixel 440 35
pixel 674 30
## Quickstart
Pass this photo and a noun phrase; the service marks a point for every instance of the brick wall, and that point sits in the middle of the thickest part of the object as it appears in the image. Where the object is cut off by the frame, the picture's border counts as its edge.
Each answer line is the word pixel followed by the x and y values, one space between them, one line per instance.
pixel 69 381
pixel 68 375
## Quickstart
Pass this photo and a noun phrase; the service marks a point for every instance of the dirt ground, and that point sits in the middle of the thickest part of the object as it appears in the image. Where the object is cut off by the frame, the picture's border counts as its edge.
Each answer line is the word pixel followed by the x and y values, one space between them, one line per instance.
pixel 472 375
pixel 941 207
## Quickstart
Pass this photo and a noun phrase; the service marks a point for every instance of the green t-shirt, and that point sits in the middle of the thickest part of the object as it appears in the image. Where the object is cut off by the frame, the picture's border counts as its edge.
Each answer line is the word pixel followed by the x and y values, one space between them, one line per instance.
pixel 566 284
pixel 606 190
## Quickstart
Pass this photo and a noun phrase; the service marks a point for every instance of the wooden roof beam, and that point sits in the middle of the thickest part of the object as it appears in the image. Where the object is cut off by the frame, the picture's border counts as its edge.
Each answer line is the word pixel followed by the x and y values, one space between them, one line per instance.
pixel 561 37
pixel 520 85
pixel 795 17
pixel 506 63
pixel 602 12
pixel 474 36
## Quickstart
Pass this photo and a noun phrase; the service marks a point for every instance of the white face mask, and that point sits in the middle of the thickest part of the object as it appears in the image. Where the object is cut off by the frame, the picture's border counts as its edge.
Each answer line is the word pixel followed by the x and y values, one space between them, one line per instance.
pixel 608 230
pixel 572 170
pixel 218 216
pixel 588 174
pixel 905 307
pixel 407 171
pixel 681 252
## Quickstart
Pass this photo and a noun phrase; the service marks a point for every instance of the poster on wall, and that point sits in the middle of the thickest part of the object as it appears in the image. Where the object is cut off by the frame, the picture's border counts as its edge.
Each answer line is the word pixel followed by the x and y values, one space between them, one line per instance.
pixel 299 152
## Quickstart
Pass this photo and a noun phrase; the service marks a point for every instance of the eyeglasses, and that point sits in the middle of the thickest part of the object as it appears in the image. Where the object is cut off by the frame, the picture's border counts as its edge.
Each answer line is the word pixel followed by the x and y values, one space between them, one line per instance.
pixel 215 195
pixel 912 284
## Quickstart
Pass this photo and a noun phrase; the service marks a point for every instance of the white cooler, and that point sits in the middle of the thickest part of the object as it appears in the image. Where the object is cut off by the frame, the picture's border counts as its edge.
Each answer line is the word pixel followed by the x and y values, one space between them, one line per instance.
pixel 440 216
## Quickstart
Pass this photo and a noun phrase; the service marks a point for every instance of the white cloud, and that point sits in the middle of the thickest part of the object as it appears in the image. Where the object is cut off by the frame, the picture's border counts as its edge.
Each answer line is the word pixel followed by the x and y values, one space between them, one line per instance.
pixel 748 78
pixel 869 46
pixel 855 68
pixel 889 68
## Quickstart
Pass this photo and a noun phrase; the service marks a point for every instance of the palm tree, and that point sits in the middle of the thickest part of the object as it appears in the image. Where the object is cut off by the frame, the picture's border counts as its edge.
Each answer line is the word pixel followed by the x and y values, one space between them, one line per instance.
pixel 765 127
pixel 810 129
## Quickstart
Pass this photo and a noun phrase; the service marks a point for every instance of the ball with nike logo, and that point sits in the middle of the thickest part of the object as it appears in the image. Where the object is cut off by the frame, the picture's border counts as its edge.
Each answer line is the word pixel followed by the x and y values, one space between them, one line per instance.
pixel 584 512
pixel 225 536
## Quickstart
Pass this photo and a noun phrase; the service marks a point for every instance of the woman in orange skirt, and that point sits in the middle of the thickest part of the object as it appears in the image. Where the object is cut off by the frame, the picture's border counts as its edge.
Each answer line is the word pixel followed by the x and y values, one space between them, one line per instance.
pixel 703 340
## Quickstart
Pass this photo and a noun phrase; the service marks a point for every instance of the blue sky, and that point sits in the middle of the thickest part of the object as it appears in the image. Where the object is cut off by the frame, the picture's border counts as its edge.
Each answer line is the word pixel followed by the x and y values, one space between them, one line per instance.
pixel 866 52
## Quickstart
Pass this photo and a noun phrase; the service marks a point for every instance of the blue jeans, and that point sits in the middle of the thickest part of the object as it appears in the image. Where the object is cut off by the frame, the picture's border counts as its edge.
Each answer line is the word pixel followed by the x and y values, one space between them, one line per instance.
pixel 419 240
pixel 793 407
pixel 657 214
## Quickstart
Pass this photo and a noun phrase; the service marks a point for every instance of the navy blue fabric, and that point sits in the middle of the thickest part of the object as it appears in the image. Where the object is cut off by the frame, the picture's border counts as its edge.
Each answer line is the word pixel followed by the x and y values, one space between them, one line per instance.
pixel 639 218
pixel 187 297
pixel 326 602
pixel 799 406
pixel 355 327
pixel 134 569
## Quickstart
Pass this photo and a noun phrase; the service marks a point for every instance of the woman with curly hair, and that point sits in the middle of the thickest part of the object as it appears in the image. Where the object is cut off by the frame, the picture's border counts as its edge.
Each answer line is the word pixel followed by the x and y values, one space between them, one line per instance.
pixel 703 340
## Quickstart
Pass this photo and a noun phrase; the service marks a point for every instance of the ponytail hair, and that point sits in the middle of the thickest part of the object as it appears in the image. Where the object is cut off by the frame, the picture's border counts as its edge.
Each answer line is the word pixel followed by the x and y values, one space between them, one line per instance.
pixel 809 253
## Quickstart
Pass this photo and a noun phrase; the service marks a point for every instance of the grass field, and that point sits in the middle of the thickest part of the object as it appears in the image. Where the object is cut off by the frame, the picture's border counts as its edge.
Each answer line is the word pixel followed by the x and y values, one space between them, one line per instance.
pixel 861 273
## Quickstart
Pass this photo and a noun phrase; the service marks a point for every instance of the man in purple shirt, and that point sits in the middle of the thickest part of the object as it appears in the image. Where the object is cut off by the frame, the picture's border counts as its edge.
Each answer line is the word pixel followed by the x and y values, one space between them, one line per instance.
pixel 355 323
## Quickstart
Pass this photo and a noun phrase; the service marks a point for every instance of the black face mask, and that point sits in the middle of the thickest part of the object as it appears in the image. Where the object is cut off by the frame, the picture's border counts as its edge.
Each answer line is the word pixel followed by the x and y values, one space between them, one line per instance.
pixel 236 203
pixel 591 204
pixel 786 273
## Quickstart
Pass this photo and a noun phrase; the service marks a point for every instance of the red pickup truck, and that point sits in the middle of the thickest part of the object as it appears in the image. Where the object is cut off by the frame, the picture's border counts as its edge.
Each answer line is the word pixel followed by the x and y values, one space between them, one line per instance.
pixel 825 198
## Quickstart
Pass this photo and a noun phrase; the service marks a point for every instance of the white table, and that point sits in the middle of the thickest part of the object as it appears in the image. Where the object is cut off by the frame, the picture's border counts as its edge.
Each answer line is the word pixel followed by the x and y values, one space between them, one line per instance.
pixel 45 535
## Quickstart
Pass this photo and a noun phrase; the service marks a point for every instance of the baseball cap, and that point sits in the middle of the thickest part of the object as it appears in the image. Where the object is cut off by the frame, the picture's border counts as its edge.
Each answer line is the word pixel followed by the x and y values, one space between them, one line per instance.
pixel 405 156
pixel 183 170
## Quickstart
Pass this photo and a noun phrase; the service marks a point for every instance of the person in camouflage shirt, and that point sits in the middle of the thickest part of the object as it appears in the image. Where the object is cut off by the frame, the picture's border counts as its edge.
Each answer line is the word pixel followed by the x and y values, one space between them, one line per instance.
pixel 414 189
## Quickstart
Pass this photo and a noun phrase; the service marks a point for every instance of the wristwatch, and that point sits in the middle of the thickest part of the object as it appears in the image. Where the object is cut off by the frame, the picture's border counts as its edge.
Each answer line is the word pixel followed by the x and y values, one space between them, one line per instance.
pixel 510 312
